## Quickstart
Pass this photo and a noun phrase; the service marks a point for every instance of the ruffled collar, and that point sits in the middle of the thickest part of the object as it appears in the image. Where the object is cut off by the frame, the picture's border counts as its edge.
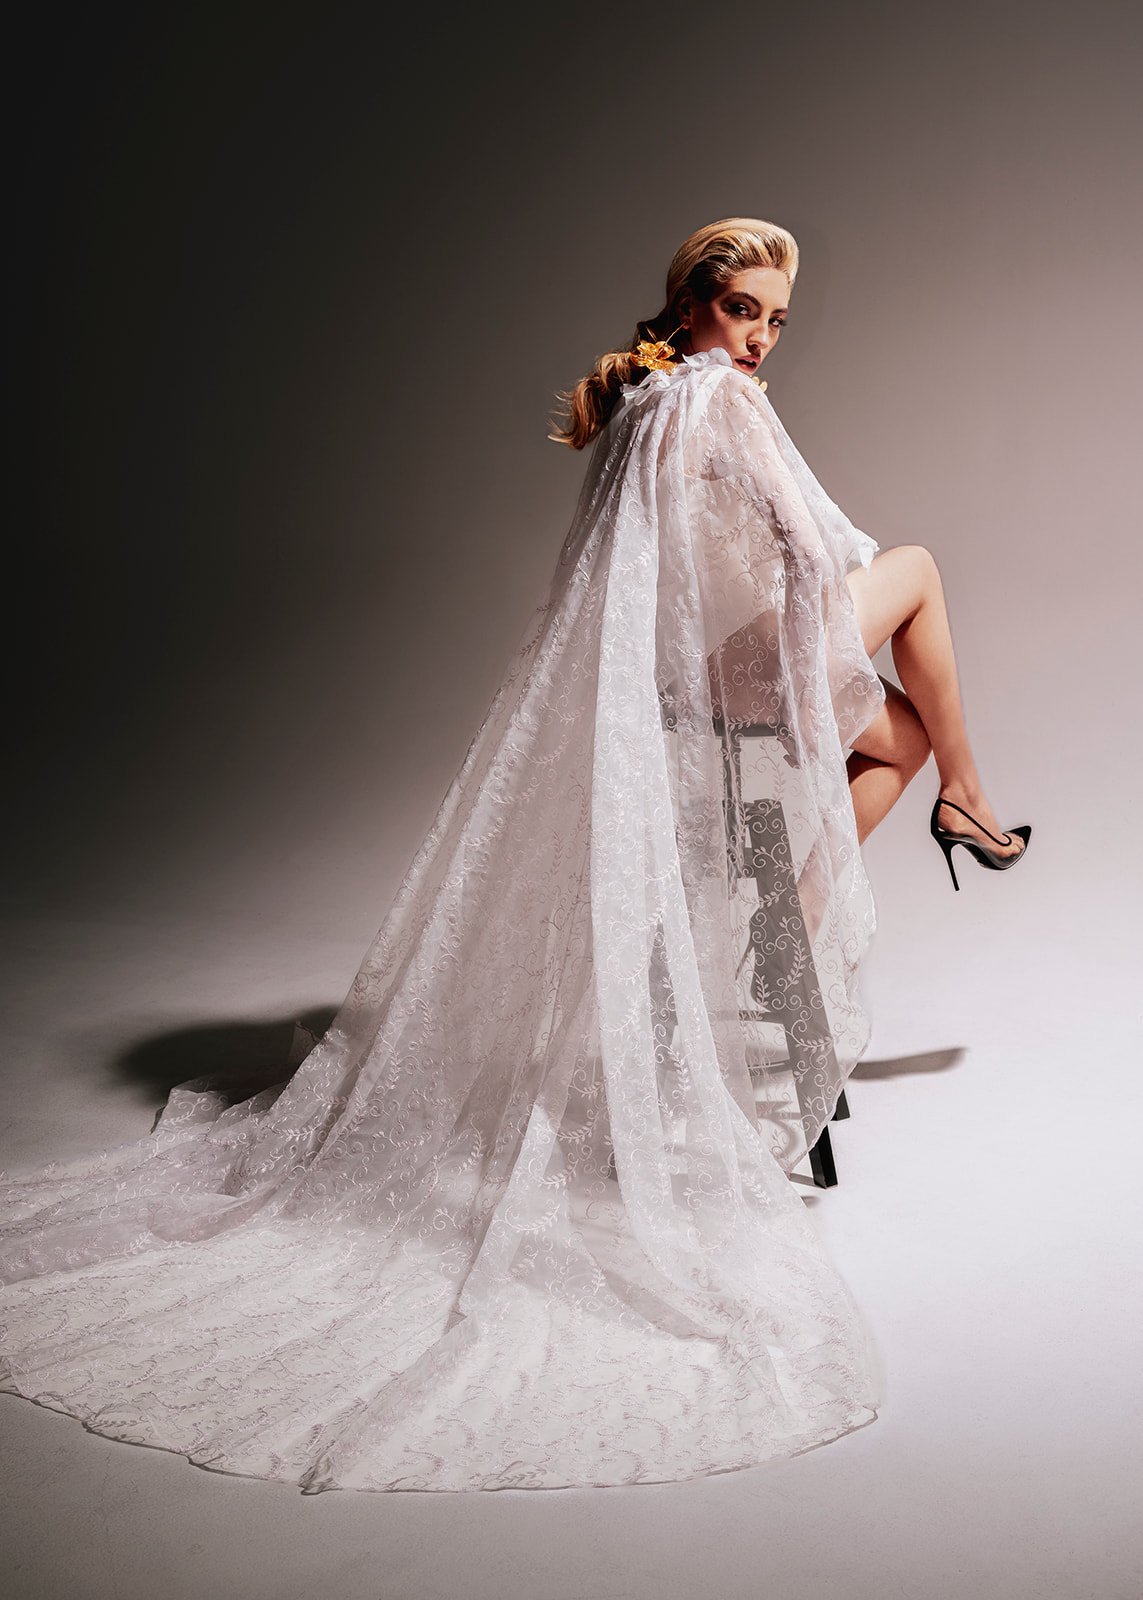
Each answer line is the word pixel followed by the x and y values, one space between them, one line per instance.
pixel 716 357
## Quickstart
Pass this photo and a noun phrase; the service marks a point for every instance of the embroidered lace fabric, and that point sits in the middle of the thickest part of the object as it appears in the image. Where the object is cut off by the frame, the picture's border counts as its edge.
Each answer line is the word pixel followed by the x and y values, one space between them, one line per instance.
pixel 523 1216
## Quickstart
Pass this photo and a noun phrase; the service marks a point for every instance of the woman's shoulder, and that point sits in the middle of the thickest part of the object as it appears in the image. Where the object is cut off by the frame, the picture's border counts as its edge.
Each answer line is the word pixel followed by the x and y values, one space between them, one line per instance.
pixel 709 369
pixel 714 360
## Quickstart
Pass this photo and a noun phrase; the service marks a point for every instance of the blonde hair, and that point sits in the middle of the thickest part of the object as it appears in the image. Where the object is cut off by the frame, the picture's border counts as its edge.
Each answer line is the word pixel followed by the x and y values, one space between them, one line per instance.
pixel 703 263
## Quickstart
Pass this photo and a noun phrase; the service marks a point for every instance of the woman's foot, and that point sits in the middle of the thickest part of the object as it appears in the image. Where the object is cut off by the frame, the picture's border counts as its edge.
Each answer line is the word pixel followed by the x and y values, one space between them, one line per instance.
pixel 954 821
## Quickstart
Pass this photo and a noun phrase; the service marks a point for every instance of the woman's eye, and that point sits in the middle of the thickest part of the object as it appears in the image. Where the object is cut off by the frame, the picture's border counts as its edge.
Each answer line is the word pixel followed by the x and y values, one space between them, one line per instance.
pixel 740 309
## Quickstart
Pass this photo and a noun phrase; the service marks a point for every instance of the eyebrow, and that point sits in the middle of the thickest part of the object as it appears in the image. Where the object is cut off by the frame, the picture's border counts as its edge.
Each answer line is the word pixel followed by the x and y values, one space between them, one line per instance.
pixel 744 294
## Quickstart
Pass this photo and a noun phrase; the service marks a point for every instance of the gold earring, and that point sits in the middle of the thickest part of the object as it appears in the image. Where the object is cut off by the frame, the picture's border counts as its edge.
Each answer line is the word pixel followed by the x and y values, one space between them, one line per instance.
pixel 655 354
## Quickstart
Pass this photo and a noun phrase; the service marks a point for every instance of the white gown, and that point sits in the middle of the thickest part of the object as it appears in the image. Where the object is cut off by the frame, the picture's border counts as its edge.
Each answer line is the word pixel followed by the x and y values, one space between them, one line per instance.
pixel 522 1217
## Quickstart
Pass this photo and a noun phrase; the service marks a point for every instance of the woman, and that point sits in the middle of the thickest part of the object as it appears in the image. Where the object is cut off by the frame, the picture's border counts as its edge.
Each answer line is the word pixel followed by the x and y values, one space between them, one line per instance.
pixel 522 1217
pixel 730 283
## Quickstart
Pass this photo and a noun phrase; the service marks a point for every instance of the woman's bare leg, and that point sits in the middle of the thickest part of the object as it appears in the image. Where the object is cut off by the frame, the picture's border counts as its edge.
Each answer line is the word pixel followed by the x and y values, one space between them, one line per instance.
pixel 900 597
pixel 889 754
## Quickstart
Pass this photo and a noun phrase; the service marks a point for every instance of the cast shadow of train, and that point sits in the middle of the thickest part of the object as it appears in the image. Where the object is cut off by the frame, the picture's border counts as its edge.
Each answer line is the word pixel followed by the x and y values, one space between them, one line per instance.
pixel 237 1058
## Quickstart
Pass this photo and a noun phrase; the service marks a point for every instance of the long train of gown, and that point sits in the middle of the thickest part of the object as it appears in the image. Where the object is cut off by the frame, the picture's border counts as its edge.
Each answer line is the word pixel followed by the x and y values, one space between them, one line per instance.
pixel 523 1215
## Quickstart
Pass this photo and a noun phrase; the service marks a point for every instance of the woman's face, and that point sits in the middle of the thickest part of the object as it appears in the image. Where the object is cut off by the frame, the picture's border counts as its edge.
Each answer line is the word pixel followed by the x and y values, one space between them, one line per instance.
pixel 745 317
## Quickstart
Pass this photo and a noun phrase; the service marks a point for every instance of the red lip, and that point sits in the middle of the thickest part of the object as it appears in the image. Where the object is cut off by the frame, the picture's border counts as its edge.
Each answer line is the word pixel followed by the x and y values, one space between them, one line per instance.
pixel 744 361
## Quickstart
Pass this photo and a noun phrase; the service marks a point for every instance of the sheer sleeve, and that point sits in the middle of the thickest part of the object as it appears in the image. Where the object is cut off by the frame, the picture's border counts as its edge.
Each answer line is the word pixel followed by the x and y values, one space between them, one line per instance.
pixel 773 551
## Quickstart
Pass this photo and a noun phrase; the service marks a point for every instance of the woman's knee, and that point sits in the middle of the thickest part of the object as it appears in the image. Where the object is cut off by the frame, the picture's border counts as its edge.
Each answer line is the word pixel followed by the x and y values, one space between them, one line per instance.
pixel 924 562
pixel 896 734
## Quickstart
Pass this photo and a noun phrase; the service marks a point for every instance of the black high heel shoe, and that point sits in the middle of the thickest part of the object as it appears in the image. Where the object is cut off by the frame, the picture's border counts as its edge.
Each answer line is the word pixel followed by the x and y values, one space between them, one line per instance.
pixel 986 857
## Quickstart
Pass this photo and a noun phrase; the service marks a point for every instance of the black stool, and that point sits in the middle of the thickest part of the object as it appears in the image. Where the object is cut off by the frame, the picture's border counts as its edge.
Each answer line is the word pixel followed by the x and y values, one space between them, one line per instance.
pixel 784 986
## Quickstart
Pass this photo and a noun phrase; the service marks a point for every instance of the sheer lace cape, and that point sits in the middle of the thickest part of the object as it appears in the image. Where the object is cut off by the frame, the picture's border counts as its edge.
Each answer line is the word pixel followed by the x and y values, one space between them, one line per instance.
pixel 522 1217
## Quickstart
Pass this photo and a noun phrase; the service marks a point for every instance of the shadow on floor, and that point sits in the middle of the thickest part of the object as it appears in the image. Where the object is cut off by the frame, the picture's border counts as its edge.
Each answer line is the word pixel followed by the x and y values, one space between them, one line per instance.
pixel 908 1066
pixel 239 1058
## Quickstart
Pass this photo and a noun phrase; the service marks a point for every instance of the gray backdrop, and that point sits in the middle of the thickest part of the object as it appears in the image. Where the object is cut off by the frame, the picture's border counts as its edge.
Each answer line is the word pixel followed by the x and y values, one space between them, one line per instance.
pixel 297 296
pixel 295 291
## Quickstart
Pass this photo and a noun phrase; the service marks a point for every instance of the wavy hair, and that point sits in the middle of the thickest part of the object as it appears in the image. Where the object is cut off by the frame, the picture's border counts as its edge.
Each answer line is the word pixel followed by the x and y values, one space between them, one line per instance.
pixel 703 263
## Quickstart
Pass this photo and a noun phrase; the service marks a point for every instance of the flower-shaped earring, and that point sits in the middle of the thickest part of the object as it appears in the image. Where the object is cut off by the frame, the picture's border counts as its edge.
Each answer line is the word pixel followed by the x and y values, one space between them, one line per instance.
pixel 655 354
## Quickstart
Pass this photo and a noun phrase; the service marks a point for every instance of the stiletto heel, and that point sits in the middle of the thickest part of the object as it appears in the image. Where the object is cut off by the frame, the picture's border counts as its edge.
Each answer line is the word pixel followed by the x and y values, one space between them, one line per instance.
pixel 947 846
pixel 987 858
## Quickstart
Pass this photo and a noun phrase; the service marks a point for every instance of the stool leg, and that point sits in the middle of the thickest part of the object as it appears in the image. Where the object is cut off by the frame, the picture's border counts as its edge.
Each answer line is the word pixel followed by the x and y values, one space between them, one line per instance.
pixel 786 983
pixel 841 1110
pixel 821 1161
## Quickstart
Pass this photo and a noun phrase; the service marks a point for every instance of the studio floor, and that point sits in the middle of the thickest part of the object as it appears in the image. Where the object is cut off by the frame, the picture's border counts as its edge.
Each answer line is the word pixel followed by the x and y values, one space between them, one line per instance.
pixel 981 1218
